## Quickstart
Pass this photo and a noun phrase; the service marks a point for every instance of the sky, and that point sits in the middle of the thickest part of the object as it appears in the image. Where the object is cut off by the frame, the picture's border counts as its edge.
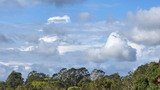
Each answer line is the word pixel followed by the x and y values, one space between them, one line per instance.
pixel 48 35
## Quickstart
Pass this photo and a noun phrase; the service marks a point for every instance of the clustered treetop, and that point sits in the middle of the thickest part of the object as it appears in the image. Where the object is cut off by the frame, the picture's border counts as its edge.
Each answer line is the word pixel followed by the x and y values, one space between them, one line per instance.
pixel 146 77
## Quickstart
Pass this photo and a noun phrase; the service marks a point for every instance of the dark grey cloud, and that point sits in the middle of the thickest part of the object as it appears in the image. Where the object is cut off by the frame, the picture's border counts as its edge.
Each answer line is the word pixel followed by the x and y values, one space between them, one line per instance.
pixel 23 3
pixel 63 2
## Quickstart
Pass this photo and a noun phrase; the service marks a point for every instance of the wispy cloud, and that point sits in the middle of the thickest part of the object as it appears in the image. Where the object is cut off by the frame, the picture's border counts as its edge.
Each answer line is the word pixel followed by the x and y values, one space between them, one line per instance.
pixel 57 20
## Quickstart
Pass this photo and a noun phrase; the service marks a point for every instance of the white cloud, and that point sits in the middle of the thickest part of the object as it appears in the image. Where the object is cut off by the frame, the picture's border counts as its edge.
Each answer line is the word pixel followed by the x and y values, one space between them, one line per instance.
pixel 49 39
pixel 145 26
pixel 146 37
pixel 116 48
pixel 146 18
pixel 13 63
pixel 57 19
pixel 72 48
pixel 10 49
pixel 27 49
pixel 46 49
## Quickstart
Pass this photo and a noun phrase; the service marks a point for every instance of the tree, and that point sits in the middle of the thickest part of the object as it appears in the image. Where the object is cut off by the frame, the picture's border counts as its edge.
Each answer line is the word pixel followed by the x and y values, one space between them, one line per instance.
pixel 83 82
pixel 21 88
pixel 117 82
pixel 127 82
pixel 72 76
pixel 14 80
pixel 35 80
pixel 2 85
pixel 35 76
pixel 146 77
pixel 97 74
pixel 142 84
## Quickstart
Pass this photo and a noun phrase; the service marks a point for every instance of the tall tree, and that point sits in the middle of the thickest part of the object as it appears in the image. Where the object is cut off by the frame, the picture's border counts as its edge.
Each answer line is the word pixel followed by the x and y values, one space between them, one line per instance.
pixel 97 74
pixel 14 80
pixel 72 76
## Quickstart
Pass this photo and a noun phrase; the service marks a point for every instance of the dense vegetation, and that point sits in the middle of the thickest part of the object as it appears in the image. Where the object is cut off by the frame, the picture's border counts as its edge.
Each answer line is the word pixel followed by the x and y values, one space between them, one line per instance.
pixel 146 77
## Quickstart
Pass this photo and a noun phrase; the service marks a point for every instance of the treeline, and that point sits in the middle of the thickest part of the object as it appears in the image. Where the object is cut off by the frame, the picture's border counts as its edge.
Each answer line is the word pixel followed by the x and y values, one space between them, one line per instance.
pixel 146 77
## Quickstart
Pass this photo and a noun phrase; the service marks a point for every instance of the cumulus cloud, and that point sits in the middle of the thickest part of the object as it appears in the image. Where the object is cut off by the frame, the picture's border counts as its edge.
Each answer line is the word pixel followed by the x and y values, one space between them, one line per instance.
pixel 23 3
pixel 145 26
pixel 139 48
pixel 116 48
pixel 85 16
pixel 146 37
pixel 49 39
pixel 57 19
pixel 146 18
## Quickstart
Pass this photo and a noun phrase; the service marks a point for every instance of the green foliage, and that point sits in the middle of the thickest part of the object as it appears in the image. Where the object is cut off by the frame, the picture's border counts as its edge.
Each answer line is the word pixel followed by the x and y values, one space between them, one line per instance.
pixel 35 76
pixel 117 81
pixel 72 76
pixel 21 87
pixel 127 83
pixel 83 82
pixel 2 85
pixel 142 83
pixel 73 88
pixel 38 83
pixel 14 80
pixel 146 77
pixel 53 85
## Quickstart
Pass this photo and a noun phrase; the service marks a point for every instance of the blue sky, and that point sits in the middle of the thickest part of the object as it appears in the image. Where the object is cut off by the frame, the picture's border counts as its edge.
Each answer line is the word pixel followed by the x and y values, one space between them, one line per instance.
pixel 99 9
pixel 47 35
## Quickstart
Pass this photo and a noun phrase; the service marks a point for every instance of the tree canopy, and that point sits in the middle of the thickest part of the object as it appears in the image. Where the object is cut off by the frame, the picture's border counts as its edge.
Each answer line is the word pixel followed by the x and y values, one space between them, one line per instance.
pixel 145 77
